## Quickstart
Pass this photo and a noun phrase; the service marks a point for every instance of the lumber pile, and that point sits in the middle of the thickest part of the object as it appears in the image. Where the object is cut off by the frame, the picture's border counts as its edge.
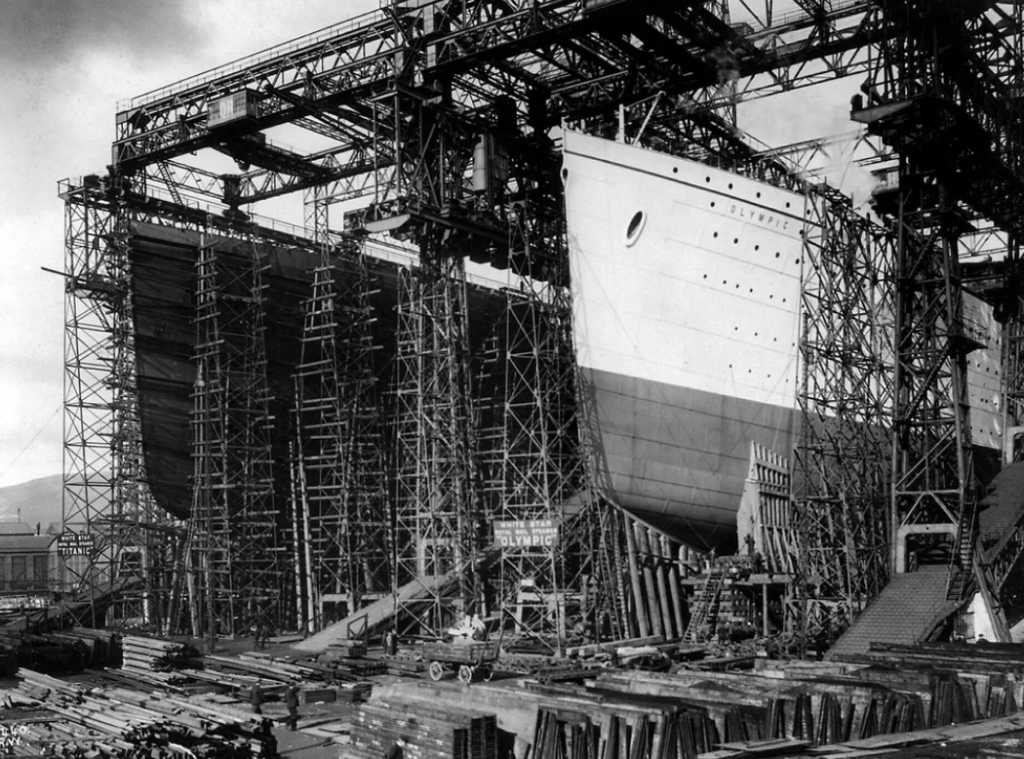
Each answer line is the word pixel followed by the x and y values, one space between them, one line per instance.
pixel 102 648
pixel 827 703
pixel 345 659
pixel 622 731
pixel 149 655
pixel 124 724
pixel 262 666
pixel 347 648
pixel 958 681
pixel 430 732
pixel 405 665
pixel 46 652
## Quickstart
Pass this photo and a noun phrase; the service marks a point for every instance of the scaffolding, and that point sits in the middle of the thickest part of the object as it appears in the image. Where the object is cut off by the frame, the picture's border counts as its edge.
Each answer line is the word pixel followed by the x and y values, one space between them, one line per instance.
pixel 841 489
pixel 234 566
pixel 121 546
pixel 409 95
pixel 538 470
pixel 943 95
pixel 342 525
pixel 439 527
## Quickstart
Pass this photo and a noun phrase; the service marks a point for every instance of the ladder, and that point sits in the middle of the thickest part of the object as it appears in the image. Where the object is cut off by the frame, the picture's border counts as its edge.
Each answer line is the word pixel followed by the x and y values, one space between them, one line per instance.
pixel 705 605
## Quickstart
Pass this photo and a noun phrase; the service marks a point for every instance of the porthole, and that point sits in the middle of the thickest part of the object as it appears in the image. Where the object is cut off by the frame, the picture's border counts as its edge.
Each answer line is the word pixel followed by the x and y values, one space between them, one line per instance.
pixel 635 227
pixel 565 175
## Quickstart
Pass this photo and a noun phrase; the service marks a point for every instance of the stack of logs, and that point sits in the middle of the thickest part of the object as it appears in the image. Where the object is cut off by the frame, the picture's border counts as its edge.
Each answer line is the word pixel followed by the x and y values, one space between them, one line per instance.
pixel 271 672
pixel 346 660
pixel 57 654
pixel 125 724
pixel 151 657
pixel 430 732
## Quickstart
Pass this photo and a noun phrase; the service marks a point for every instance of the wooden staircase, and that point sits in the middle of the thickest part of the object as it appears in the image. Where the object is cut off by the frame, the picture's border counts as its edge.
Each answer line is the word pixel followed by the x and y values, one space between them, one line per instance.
pixel 705 606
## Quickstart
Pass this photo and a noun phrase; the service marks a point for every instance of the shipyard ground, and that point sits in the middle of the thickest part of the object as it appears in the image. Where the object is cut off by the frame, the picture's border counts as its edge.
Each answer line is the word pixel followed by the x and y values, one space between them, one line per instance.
pixel 930 701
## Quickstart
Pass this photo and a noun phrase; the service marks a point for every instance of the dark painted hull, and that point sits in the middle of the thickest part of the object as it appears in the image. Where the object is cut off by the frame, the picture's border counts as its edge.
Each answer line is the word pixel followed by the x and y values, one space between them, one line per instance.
pixel 676 457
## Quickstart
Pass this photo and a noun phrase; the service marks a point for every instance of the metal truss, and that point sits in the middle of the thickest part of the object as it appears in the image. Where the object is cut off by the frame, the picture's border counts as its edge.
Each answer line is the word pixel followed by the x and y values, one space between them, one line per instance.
pixel 411 94
pixel 342 521
pixel 538 63
pixel 439 529
pixel 940 95
pixel 540 467
pixel 128 544
pixel 234 567
pixel 841 489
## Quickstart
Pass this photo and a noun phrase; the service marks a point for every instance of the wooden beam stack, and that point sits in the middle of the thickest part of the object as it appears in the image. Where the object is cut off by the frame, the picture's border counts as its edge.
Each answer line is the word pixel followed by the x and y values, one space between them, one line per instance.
pixel 430 732
pixel 336 664
pixel 148 655
pixel 124 724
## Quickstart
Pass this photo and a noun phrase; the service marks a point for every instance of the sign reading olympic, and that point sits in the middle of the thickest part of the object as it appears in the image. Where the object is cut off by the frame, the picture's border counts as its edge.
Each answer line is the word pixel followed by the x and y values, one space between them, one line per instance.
pixel 526 533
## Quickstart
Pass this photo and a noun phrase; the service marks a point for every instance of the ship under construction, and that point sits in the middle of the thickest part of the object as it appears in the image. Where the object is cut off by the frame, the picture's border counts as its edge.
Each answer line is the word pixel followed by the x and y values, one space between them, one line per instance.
pixel 549 339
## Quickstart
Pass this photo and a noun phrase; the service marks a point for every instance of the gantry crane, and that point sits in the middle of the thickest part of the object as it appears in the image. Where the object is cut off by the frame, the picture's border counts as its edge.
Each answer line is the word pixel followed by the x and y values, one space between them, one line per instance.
pixel 417 97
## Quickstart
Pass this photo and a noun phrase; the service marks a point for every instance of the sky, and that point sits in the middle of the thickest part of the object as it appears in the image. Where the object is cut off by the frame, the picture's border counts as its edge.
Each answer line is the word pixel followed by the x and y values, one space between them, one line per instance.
pixel 68 63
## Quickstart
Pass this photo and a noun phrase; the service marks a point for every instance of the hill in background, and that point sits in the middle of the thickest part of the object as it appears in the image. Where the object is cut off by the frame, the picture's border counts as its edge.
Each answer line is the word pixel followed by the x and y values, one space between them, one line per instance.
pixel 39 501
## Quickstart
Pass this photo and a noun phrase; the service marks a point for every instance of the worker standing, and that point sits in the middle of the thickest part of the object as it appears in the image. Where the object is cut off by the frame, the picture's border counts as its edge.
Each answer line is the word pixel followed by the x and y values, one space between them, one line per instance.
pixel 256 698
pixel 291 701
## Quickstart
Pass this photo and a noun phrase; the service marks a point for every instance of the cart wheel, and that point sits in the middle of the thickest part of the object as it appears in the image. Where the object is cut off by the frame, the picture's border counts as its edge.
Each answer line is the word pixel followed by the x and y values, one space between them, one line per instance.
pixel 436 670
pixel 486 672
pixel 466 673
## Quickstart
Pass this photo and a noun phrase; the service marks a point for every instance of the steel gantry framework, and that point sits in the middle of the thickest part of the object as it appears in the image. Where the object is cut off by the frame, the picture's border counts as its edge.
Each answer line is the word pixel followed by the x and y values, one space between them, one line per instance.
pixel 943 95
pixel 841 494
pixel 124 547
pixel 440 116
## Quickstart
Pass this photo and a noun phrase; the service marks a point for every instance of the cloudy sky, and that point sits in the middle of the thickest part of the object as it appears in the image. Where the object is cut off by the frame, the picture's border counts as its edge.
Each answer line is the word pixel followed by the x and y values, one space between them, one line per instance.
pixel 68 63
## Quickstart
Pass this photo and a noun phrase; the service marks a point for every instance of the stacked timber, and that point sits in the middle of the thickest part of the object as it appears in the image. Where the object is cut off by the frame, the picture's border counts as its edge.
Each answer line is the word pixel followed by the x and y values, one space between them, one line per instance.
pixel 346 660
pixel 125 724
pixel 429 732
pixel 405 664
pixel 102 647
pixel 148 655
pixel 826 703
pixel 623 731
pixel 958 681
pixel 261 665
pixel 348 648
pixel 44 652
pixel 273 673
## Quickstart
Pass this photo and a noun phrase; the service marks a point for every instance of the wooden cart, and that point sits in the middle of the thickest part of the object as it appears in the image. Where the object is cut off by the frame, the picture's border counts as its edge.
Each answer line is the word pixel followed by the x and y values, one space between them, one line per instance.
pixel 468 658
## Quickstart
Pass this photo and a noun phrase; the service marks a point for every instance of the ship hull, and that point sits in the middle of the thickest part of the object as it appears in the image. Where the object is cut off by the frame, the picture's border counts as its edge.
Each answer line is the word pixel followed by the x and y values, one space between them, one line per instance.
pixel 677 457
pixel 686 284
